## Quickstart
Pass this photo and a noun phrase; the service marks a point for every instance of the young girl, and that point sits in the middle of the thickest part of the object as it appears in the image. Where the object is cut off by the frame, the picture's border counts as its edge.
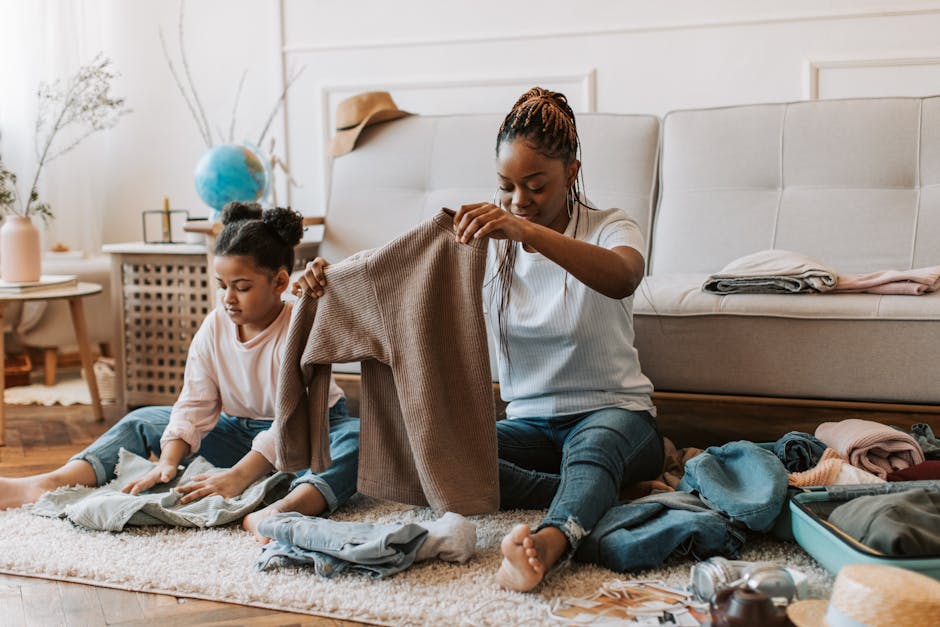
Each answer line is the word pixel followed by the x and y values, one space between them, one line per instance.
pixel 228 397
pixel 559 290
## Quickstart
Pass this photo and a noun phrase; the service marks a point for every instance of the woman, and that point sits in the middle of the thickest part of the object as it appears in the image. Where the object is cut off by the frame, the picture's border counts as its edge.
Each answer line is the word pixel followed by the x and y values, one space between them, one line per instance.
pixel 559 290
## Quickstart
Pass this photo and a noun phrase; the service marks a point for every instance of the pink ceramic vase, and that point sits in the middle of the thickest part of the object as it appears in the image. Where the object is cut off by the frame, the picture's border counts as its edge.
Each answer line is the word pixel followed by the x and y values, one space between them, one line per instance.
pixel 20 257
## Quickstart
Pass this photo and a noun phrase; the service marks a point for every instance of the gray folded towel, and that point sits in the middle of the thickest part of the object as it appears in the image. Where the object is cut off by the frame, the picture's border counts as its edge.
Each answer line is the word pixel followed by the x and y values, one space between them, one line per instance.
pixel 772 272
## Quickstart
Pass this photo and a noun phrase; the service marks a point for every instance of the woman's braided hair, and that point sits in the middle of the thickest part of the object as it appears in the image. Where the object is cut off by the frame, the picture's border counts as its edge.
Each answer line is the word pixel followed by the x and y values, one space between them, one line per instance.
pixel 545 120
pixel 268 236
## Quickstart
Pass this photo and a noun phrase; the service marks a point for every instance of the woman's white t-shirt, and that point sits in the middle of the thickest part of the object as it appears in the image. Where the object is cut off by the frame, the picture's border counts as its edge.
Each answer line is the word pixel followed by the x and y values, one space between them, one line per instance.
pixel 570 347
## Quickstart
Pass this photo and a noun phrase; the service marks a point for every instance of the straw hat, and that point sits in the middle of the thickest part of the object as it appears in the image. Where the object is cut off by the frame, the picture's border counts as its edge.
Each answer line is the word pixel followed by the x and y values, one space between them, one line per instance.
pixel 873 595
pixel 357 112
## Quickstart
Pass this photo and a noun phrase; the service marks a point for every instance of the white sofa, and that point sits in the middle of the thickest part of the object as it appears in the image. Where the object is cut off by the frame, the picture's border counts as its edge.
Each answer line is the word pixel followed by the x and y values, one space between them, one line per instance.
pixel 852 183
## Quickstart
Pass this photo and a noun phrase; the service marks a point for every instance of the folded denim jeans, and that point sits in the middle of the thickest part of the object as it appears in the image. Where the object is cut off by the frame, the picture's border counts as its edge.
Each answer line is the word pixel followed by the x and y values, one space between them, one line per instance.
pixel 332 547
pixel 799 451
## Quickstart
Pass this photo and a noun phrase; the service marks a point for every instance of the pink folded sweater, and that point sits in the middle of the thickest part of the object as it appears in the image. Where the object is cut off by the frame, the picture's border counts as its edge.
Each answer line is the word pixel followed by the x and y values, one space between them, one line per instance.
pixel 906 282
pixel 871 446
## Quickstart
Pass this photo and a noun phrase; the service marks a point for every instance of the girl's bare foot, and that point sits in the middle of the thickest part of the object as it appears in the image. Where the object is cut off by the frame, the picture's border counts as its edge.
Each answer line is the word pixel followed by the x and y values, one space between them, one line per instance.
pixel 23 490
pixel 304 499
pixel 251 521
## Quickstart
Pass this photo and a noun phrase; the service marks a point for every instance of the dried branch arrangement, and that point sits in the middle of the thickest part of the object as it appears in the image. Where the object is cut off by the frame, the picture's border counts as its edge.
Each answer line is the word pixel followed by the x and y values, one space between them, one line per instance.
pixel 69 110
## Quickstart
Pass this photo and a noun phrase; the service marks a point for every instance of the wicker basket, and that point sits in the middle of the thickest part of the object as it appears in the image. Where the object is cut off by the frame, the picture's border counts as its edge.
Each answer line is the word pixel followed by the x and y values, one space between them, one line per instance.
pixel 105 378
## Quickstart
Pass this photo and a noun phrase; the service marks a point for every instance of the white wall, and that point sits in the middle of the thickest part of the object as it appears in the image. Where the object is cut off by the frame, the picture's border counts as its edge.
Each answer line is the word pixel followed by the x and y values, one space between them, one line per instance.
pixel 464 56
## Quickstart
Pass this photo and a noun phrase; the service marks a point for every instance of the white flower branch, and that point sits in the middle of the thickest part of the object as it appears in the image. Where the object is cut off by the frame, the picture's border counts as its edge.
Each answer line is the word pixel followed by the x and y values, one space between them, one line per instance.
pixel 82 103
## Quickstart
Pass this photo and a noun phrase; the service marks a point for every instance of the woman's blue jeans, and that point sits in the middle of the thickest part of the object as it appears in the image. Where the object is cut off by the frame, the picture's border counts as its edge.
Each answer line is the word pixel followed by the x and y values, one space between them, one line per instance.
pixel 139 432
pixel 575 465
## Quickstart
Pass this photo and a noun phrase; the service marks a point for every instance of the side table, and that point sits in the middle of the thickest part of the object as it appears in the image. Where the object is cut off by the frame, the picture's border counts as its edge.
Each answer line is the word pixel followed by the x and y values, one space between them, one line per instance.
pixel 74 295
pixel 160 293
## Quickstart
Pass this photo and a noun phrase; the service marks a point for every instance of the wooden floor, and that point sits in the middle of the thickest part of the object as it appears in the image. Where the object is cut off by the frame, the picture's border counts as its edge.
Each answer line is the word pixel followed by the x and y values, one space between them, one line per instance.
pixel 40 439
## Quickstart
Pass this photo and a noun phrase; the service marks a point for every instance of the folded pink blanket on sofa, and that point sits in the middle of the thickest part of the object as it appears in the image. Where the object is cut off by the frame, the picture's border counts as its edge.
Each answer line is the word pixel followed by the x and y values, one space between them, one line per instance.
pixel 871 446
pixel 910 282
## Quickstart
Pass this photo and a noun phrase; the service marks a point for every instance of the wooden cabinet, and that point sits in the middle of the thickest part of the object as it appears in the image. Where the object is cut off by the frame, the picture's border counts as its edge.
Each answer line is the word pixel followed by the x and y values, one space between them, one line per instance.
pixel 161 294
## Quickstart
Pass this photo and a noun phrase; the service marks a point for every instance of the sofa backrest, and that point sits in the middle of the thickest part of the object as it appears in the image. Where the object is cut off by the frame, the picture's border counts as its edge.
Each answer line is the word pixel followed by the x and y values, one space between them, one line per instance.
pixel 852 183
pixel 404 171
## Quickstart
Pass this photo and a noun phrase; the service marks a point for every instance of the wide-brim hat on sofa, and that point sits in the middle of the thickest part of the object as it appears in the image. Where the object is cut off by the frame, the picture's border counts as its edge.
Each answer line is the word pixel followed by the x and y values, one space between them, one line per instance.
pixel 357 112
pixel 873 595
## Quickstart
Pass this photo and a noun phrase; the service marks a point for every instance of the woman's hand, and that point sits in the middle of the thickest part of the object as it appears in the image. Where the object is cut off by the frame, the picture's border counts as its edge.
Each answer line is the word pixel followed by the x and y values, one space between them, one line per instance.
pixel 162 473
pixel 313 280
pixel 484 219
pixel 226 483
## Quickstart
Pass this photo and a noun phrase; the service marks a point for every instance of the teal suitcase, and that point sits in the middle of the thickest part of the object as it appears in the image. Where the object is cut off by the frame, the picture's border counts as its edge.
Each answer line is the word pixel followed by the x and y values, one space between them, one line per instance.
pixel 809 510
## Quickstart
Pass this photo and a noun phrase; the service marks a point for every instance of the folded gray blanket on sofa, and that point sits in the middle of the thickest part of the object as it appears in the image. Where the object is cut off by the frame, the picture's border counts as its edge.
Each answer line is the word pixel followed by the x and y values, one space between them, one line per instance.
pixel 772 272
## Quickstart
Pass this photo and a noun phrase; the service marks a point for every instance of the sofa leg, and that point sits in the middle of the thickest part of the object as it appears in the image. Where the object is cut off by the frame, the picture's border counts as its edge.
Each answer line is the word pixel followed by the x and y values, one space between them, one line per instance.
pixel 50 360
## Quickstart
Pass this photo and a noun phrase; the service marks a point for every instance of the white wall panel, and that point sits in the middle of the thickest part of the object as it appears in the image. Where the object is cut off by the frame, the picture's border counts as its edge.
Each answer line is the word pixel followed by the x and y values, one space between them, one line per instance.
pixel 644 57
pixel 637 56
pixel 859 77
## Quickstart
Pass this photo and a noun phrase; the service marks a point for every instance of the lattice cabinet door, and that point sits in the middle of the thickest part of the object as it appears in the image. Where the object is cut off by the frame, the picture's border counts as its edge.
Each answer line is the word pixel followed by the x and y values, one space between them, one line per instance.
pixel 164 297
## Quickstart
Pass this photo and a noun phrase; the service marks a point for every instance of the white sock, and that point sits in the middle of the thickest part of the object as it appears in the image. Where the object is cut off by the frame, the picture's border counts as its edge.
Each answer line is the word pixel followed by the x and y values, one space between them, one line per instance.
pixel 451 538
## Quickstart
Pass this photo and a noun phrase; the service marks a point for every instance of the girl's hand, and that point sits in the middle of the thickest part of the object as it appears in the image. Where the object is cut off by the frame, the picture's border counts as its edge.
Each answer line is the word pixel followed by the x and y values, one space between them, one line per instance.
pixel 162 473
pixel 313 280
pixel 485 219
pixel 226 483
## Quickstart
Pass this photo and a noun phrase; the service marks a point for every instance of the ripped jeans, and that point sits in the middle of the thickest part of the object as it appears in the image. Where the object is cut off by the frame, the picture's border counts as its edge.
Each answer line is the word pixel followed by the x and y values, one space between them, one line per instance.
pixel 575 464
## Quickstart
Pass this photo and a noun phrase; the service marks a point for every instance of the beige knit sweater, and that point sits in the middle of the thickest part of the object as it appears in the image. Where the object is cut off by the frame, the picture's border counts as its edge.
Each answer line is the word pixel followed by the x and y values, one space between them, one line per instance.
pixel 411 312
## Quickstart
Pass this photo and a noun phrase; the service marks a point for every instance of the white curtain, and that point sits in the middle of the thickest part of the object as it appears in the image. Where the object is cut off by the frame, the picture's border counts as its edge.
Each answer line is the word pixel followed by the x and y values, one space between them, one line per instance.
pixel 43 40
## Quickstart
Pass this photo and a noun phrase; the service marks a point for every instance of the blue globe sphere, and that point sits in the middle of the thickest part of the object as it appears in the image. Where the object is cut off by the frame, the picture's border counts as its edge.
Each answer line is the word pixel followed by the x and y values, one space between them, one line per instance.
pixel 231 172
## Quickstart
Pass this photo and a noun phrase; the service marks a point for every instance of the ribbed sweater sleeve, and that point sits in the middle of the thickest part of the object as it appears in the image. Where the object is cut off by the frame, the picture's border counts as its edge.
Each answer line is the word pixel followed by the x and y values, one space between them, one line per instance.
pixel 343 325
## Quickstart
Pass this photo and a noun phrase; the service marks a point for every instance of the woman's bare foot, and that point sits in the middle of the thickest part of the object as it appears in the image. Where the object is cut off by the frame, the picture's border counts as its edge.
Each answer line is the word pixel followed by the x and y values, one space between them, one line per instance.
pixel 304 499
pixel 522 568
pixel 528 556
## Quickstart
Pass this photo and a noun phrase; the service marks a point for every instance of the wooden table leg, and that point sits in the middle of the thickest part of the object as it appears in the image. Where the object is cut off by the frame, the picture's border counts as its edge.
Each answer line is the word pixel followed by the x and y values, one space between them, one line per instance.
pixel 84 349
pixel 3 376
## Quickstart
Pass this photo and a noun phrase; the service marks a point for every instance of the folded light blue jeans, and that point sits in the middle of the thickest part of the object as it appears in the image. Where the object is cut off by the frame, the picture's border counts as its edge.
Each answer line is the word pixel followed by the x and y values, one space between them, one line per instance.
pixel 575 465
pixel 331 547
pixel 140 431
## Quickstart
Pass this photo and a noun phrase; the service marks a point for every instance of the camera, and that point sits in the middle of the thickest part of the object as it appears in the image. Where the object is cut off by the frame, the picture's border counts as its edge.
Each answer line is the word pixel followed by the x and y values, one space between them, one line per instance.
pixel 711 576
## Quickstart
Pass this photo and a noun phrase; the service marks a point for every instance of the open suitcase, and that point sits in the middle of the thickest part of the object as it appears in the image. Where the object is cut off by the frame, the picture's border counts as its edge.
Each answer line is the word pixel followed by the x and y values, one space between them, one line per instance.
pixel 809 510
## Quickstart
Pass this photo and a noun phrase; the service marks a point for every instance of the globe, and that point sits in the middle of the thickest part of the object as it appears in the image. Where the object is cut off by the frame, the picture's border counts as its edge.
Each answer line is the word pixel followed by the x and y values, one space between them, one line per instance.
pixel 232 172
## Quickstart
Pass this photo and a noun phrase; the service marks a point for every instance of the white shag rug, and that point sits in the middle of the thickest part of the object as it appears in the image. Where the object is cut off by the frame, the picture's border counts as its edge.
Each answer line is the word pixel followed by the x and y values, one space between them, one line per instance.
pixel 218 564
pixel 73 391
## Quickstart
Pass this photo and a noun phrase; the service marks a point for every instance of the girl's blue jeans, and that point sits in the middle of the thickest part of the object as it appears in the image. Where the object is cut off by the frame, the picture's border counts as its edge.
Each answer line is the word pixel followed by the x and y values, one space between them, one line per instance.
pixel 139 432
pixel 574 465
